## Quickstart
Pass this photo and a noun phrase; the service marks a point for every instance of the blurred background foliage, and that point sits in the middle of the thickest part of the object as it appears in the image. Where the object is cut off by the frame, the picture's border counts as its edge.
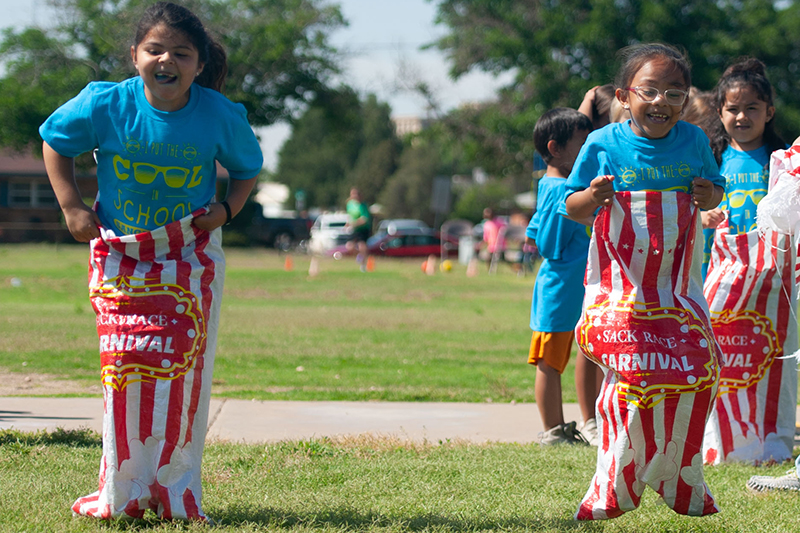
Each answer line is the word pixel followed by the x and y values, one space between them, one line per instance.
pixel 283 68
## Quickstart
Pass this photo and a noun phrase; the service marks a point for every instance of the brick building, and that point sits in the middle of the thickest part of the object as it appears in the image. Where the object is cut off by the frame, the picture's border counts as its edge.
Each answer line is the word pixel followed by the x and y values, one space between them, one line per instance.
pixel 28 207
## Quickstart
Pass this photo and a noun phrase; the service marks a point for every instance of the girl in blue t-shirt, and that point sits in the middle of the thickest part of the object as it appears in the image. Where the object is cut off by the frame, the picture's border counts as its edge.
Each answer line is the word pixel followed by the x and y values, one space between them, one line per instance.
pixel 748 276
pixel 641 275
pixel 157 267
pixel 742 141
pixel 654 150
pixel 156 137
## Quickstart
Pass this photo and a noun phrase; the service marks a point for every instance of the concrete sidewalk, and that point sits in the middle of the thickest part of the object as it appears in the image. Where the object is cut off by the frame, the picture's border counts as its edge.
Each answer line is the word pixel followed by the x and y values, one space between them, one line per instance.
pixel 252 421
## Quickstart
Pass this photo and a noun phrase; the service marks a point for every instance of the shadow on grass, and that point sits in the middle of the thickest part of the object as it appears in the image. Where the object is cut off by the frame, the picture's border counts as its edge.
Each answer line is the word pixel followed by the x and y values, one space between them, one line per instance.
pixel 348 519
pixel 74 438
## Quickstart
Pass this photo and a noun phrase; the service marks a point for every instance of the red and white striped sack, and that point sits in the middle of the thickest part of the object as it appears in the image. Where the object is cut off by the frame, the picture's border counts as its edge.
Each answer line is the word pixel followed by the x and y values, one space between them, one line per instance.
pixel 779 210
pixel 750 288
pixel 645 321
pixel 157 298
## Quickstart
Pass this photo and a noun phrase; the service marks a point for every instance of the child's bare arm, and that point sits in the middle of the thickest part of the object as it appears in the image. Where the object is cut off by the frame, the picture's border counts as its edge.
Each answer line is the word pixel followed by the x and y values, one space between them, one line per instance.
pixel 81 221
pixel 587 105
pixel 581 205
pixel 238 191
pixel 705 194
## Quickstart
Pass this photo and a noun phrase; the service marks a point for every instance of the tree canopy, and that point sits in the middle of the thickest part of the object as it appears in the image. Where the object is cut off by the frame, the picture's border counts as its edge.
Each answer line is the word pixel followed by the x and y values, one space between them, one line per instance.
pixel 278 55
pixel 340 142
pixel 559 49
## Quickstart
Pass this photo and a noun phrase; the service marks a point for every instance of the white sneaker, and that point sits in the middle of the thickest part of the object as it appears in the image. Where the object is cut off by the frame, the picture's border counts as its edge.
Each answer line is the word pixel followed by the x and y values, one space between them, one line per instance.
pixel 767 483
pixel 589 430
pixel 562 434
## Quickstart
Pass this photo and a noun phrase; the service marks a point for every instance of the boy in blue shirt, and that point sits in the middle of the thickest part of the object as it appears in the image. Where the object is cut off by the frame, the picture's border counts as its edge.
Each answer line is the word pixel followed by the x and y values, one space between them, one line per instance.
pixel 558 291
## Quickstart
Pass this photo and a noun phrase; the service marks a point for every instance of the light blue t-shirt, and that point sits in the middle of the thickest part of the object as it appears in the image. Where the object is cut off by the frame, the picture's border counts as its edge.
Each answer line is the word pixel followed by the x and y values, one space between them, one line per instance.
pixel 153 167
pixel 642 164
pixel 564 246
pixel 747 180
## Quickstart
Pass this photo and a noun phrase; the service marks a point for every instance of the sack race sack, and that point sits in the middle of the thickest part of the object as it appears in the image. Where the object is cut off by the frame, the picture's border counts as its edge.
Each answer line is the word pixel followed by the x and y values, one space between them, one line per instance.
pixel 157 299
pixel 646 322
pixel 750 289
pixel 779 210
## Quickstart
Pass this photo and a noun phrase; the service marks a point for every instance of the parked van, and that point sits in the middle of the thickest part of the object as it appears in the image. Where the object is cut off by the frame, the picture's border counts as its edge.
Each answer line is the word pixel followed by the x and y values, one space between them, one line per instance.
pixel 328 231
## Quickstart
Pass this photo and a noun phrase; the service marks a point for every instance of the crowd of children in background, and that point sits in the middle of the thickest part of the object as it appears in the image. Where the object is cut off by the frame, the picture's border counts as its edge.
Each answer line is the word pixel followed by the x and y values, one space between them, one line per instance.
pixel 662 152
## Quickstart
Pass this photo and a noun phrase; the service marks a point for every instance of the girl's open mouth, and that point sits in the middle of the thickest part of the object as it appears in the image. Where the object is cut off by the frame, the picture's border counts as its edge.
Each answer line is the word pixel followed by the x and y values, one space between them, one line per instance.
pixel 658 117
pixel 164 77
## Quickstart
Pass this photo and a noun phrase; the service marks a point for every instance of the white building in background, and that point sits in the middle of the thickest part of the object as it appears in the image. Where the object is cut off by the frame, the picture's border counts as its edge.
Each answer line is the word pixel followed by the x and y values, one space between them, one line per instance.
pixel 405 125
pixel 272 197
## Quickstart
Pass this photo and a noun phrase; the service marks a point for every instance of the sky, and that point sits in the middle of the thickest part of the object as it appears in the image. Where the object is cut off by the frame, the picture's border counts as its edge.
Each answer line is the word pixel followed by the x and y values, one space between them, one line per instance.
pixel 381 43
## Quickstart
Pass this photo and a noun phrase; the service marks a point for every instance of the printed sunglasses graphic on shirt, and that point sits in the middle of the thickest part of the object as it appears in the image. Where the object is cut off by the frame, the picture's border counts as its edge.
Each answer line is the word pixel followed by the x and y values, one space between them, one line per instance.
pixel 736 199
pixel 146 173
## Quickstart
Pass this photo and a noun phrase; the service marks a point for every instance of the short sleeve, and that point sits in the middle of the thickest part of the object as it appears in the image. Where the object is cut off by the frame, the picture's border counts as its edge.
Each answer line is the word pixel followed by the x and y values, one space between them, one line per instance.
pixel 240 154
pixel 710 166
pixel 533 226
pixel 585 169
pixel 70 130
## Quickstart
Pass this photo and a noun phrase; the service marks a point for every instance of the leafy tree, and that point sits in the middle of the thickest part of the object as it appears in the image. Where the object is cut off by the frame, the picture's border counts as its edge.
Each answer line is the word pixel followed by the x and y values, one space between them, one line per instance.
pixel 560 49
pixel 338 143
pixel 278 55
pixel 474 200
pixel 408 191
pixel 379 153
pixel 322 147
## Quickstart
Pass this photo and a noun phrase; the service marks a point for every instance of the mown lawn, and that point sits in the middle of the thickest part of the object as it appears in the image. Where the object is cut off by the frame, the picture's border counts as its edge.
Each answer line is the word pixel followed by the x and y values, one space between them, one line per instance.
pixel 393 334
pixel 371 484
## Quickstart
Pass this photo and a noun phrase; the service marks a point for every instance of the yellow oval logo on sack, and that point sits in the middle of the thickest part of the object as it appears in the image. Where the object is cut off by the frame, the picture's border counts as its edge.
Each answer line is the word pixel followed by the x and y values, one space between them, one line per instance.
pixel 147 331
pixel 654 351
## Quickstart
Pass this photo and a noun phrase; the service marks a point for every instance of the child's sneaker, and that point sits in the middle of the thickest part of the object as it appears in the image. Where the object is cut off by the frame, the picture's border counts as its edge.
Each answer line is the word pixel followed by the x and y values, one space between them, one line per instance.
pixel 767 483
pixel 562 434
pixel 589 431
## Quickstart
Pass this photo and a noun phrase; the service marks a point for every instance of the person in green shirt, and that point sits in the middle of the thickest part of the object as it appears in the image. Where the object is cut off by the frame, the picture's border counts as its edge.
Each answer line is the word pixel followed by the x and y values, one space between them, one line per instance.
pixel 360 223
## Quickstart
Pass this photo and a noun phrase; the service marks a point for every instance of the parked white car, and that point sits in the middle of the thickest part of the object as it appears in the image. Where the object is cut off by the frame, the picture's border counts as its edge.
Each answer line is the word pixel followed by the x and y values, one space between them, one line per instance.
pixel 393 225
pixel 328 232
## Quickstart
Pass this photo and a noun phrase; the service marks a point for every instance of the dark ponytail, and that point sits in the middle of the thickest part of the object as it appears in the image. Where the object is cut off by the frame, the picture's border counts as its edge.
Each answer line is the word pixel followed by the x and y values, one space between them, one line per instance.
pixel 178 18
pixel 215 69
pixel 747 72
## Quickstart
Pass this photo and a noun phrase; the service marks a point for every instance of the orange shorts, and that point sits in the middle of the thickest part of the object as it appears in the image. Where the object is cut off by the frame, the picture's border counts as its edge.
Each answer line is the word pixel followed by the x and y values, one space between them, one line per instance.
pixel 554 348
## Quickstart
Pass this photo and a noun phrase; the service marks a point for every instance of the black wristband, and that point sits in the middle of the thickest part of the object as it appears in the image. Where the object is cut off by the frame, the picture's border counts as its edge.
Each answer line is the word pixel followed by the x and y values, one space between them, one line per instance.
pixel 227 211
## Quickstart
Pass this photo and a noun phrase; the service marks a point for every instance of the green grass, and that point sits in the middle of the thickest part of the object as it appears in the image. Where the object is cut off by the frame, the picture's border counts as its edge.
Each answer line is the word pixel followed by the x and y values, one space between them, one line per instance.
pixel 369 484
pixel 394 334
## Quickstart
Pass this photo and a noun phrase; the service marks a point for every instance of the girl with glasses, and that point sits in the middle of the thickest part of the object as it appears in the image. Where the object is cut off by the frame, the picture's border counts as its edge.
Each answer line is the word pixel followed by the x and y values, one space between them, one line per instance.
pixel 645 321
pixel 156 267
pixel 749 282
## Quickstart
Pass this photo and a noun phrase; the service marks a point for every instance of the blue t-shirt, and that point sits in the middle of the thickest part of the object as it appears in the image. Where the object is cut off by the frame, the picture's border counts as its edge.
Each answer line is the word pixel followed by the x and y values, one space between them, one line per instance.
pixel 642 164
pixel 747 180
pixel 153 167
pixel 564 246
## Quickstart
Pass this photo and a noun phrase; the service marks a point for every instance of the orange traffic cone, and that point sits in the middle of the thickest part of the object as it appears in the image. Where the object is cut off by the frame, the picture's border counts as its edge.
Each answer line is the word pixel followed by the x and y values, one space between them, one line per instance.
pixel 288 264
pixel 371 264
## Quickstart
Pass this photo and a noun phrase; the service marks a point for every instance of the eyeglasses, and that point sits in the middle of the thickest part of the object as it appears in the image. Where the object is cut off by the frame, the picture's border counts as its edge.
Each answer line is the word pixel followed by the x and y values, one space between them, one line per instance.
pixel 737 198
pixel 650 94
